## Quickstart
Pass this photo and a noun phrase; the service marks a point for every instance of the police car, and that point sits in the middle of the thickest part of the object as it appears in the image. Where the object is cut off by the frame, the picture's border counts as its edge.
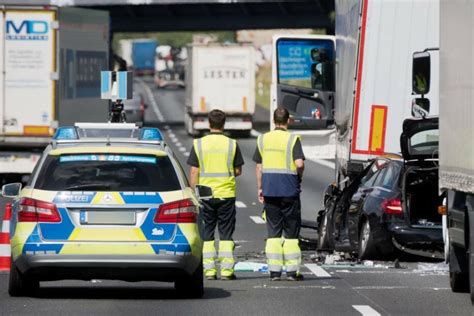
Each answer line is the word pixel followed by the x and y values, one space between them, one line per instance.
pixel 106 201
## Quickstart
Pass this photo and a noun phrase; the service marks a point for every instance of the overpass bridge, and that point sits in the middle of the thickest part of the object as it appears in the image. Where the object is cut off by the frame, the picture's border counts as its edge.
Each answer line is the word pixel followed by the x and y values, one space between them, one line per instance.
pixel 205 15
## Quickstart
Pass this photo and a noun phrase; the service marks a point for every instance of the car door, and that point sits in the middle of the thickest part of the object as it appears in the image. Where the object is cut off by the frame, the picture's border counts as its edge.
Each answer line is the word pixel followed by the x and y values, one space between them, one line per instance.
pixel 366 190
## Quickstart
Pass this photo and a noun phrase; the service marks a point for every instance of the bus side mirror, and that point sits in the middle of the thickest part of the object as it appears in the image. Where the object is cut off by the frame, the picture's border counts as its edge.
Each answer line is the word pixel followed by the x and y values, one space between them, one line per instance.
pixel 420 107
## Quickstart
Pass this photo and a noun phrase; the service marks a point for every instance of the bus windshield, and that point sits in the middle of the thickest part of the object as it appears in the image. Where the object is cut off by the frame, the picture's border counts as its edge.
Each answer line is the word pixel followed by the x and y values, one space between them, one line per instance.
pixel 306 63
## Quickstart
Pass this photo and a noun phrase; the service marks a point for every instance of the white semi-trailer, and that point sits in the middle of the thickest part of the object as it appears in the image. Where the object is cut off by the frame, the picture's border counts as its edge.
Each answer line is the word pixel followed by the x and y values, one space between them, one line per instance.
pixel 220 77
pixel 50 63
pixel 377 42
pixel 457 137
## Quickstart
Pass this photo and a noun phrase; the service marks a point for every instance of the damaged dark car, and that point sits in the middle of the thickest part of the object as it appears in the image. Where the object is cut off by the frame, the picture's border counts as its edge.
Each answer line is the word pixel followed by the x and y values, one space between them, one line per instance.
pixel 392 206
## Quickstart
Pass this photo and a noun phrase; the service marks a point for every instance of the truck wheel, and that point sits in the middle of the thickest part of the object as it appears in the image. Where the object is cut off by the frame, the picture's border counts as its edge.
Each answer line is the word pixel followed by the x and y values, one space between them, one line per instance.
pixel 471 272
pixel 458 276
pixel 193 286
pixel 19 285
pixel 188 121
pixel 367 248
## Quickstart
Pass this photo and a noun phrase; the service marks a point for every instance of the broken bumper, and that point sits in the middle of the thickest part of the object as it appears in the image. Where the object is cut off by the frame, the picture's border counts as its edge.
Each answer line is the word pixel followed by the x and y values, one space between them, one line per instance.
pixel 419 241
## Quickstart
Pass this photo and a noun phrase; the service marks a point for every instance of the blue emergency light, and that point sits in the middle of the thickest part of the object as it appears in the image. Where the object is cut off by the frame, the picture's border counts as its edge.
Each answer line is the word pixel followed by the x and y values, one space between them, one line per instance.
pixel 66 133
pixel 150 133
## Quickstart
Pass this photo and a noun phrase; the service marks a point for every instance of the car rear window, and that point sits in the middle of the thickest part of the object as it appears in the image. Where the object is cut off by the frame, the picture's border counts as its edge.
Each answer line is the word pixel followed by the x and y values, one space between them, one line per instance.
pixel 107 172
pixel 424 142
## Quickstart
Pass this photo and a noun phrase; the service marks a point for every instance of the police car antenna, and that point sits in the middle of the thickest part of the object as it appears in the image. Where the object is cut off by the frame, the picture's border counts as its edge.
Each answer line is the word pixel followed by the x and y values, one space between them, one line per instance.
pixel 116 86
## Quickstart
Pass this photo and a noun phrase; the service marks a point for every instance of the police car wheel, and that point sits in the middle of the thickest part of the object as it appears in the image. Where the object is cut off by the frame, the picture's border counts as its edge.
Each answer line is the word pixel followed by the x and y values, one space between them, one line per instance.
pixel 193 286
pixel 19 285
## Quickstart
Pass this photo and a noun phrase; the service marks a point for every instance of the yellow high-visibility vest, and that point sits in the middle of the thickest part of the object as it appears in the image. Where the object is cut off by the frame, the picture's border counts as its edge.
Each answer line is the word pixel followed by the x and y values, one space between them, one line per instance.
pixel 276 149
pixel 280 177
pixel 216 155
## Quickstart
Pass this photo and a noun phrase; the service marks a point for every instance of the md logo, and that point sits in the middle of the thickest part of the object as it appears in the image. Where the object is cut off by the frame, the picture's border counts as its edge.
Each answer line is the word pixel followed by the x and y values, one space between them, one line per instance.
pixel 27 30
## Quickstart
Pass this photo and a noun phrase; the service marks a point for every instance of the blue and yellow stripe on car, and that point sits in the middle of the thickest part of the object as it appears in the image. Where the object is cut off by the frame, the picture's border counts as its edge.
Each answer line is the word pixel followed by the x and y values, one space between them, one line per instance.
pixel 67 238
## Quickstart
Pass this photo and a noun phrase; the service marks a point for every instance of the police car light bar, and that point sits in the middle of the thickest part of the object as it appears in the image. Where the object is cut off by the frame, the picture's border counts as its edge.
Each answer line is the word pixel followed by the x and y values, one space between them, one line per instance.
pixel 150 133
pixel 122 131
pixel 106 126
pixel 66 133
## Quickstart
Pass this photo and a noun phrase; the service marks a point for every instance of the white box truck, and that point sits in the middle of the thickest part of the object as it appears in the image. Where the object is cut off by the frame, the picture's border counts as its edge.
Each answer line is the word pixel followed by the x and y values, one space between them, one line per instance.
pixel 50 63
pixel 377 42
pixel 457 138
pixel 125 50
pixel 220 77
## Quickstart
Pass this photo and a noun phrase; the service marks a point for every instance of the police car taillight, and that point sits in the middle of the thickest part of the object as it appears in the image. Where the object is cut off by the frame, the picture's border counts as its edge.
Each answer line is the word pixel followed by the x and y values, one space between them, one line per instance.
pixel 183 211
pixel 32 210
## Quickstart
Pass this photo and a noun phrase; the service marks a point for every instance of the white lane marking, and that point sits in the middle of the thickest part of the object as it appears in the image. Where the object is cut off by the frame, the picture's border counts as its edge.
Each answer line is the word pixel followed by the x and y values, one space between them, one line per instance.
pixel 366 310
pixel 400 287
pixel 296 287
pixel 257 219
pixel 323 162
pixel 178 144
pixel 240 204
pixel 255 133
pixel 182 149
pixel 317 270
pixel 171 134
pixel 152 100
pixel 186 154
pixel 167 127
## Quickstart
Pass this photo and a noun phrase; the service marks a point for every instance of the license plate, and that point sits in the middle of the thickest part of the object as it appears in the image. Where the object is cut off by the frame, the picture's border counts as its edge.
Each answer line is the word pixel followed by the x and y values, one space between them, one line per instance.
pixel 108 217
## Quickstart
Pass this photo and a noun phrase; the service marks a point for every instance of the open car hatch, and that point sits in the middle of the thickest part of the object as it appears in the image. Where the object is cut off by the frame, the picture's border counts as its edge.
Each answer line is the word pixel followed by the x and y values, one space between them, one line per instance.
pixel 420 139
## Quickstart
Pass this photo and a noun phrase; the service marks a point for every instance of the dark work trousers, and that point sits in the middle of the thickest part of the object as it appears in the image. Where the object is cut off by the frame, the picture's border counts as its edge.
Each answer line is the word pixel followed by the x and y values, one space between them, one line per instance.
pixel 220 213
pixel 283 216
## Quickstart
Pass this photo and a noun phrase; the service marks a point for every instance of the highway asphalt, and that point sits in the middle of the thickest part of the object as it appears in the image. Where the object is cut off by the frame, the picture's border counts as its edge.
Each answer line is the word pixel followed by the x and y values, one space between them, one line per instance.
pixel 340 288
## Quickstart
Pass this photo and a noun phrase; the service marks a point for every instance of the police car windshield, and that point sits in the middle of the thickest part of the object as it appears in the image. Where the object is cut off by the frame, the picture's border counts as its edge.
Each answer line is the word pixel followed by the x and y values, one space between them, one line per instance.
pixel 107 172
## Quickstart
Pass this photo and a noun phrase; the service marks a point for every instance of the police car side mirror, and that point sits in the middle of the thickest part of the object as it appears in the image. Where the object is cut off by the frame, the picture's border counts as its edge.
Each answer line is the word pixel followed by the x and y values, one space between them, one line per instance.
pixel 11 190
pixel 203 192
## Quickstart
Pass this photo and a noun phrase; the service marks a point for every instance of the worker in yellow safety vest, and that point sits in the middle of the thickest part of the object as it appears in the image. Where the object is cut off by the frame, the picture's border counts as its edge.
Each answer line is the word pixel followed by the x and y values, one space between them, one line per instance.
pixel 215 161
pixel 280 165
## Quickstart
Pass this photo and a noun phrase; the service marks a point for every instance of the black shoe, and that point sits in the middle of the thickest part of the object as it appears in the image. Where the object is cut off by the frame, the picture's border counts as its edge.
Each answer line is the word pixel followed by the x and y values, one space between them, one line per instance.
pixel 228 277
pixel 211 277
pixel 275 276
pixel 295 277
